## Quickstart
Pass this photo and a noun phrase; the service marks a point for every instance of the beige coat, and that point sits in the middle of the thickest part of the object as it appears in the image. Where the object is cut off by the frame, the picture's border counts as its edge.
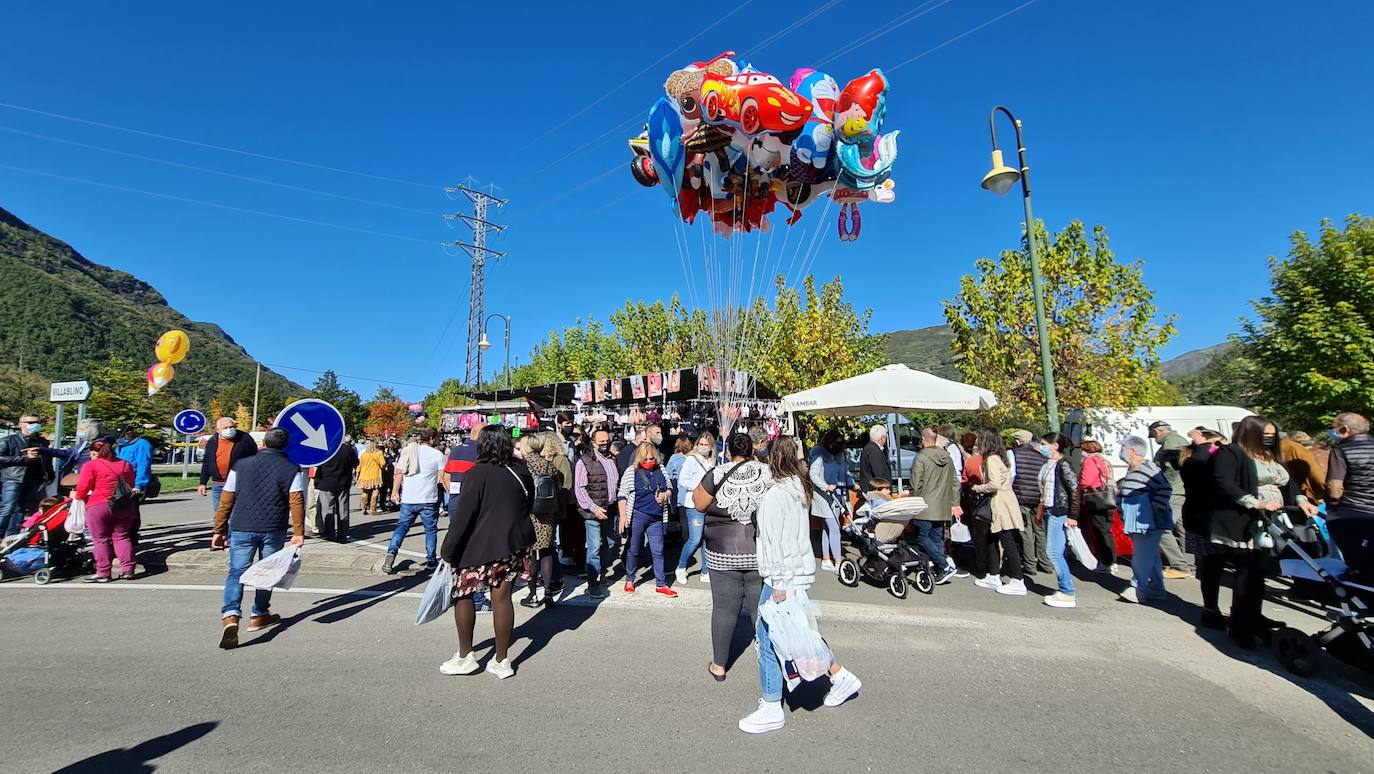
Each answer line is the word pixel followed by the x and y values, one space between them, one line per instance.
pixel 1006 512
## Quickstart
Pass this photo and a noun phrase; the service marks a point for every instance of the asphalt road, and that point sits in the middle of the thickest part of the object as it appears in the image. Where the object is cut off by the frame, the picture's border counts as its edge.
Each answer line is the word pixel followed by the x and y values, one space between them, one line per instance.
pixel 126 677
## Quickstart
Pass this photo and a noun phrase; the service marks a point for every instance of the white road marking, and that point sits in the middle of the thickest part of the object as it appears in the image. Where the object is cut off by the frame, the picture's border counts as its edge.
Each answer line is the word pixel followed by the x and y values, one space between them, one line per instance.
pixel 383 547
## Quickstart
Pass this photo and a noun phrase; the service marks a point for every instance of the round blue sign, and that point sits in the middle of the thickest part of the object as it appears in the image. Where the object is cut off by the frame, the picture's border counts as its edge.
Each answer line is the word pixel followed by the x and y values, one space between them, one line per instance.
pixel 316 431
pixel 189 422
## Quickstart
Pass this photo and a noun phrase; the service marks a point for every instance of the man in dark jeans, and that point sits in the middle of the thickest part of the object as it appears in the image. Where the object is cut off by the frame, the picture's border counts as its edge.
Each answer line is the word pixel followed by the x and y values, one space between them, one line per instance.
pixel 595 482
pixel 1026 461
pixel 1350 493
pixel 24 474
pixel 333 480
pixel 260 494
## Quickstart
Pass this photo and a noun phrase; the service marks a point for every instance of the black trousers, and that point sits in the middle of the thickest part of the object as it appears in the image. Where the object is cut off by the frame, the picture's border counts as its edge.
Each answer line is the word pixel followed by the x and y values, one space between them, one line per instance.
pixel 1247 600
pixel 1010 555
pixel 1102 522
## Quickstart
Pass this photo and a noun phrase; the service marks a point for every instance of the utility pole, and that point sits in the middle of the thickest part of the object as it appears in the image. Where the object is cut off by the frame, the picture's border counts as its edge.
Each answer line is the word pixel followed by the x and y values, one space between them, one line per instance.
pixel 478 250
pixel 257 380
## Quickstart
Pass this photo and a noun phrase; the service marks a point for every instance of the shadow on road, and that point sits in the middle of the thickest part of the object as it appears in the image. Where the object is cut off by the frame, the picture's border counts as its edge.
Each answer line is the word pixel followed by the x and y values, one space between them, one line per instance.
pixel 341 607
pixel 138 758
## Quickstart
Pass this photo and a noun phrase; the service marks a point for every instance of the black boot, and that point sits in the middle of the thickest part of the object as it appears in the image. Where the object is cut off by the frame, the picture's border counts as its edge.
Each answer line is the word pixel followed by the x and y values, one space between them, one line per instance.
pixel 531 599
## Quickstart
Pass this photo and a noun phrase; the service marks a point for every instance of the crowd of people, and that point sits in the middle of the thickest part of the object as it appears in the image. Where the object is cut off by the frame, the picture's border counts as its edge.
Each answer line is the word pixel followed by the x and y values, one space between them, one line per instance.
pixel 758 517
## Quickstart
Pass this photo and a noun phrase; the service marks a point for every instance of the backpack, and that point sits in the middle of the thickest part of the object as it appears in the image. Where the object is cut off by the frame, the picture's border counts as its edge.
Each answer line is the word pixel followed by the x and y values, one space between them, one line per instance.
pixel 545 496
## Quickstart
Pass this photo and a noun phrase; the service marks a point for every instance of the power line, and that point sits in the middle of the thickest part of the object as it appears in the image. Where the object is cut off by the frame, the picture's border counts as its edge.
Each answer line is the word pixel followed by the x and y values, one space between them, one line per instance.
pixel 961 35
pixel 347 376
pixel 900 21
pixel 214 204
pixel 209 171
pixel 215 147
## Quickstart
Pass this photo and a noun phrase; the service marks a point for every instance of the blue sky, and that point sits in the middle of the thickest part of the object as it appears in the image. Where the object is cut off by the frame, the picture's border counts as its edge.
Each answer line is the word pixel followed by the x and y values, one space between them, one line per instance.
pixel 1200 134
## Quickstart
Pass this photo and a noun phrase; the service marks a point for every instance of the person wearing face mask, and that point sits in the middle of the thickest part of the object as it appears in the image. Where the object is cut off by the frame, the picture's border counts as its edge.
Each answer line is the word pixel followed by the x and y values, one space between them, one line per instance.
pixel 1197 520
pixel 1252 484
pixel 68 471
pixel 644 492
pixel 138 452
pixel 1146 516
pixel 625 459
pixel 1025 460
pixel 698 463
pixel 1350 491
pixel 830 476
pixel 24 473
pixel 595 482
pixel 227 446
pixel 1059 494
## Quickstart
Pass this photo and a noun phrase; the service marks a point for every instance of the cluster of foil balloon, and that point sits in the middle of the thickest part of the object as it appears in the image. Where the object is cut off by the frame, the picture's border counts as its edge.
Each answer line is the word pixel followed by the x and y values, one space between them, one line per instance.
pixel 736 143
pixel 171 348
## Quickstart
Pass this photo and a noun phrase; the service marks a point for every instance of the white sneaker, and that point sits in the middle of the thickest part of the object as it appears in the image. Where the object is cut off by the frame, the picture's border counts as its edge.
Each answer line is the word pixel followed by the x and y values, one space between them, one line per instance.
pixel 681 577
pixel 706 578
pixel 1060 599
pixel 989 581
pixel 501 669
pixel 460 665
pixel 768 717
pixel 942 576
pixel 1117 571
pixel 843 686
pixel 829 566
pixel 1015 587
pixel 1129 595
pixel 958 573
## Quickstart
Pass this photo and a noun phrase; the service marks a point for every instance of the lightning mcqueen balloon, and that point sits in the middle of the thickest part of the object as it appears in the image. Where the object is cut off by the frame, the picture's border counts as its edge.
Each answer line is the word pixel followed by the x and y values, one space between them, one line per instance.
pixel 733 142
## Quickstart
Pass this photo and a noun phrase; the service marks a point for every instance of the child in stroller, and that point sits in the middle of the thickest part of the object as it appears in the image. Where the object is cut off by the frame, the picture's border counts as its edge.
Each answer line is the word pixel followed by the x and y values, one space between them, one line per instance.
pixel 43 548
pixel 884 556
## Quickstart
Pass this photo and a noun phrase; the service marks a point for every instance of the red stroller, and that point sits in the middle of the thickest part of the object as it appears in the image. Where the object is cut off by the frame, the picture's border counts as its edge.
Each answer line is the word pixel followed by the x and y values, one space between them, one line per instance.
pixel 45 549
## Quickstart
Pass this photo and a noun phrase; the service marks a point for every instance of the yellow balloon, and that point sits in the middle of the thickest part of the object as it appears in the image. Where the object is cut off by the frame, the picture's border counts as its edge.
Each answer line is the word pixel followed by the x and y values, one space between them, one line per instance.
pixel 173 346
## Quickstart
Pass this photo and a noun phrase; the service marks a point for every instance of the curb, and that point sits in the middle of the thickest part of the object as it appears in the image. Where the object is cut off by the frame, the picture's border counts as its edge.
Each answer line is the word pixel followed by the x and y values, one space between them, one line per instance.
pixel 205 560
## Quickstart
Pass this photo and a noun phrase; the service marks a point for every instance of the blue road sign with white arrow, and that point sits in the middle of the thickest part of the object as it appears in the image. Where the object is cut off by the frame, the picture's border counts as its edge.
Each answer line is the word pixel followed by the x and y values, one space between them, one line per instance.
pixel 189 422
pixel 316 429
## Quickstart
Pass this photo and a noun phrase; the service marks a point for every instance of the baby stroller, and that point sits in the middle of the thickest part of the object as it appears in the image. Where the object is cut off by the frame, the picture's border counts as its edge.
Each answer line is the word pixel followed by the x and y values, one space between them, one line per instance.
pixel 1351 634
pixel 45 550
pixel 885 557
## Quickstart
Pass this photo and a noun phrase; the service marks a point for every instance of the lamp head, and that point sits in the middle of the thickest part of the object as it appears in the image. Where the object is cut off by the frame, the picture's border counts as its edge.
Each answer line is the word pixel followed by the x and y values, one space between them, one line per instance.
pixel 485 343
pixel 1001 177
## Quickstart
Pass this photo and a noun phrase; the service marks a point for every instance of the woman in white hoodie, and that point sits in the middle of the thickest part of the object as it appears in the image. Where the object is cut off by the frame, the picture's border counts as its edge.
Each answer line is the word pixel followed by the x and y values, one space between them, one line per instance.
pixel 787 566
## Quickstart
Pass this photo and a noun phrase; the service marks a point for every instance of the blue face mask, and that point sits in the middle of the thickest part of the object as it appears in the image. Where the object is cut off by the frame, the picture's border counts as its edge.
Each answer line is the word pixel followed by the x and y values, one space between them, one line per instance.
pixel 1044 449
pixel 1334 436
pixel 34 427
pixel 80 435
pixel 1122 455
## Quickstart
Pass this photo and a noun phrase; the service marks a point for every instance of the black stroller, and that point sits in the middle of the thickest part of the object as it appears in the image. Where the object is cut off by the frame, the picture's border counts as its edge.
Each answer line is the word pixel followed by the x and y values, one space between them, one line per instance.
pixel 1304 558
pixel 885 557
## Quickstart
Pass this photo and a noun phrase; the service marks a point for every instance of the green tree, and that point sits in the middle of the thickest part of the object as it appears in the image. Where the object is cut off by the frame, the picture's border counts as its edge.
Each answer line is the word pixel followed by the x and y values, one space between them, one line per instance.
pixel 449 395
pixel 349 404
pixel 810 337
pixel 581 351
pixel 119 398
pixel 1314 333
pixel 658 336
pixel 1104 330
pixel 1228 379
pixel 271 400
pixel 23 392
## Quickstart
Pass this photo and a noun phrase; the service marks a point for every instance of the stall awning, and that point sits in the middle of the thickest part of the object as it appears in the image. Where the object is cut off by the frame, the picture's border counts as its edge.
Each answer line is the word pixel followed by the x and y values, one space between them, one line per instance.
pixel 890 388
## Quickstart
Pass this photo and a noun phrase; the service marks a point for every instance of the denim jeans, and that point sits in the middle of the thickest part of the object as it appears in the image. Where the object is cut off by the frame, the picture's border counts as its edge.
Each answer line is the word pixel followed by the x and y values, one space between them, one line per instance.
pixel 601 535
pixel 429 516
pixel 696 524
pixel 244 549
pixel 1057 529
pixel 930 535
pixel 770 669
pixel 17 502
pixel 1147 567
pixel 646 525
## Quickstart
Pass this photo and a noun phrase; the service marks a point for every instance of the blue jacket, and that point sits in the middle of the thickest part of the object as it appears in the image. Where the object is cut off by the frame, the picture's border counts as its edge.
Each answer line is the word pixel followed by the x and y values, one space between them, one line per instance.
pixel 1145 494
pixel 139 454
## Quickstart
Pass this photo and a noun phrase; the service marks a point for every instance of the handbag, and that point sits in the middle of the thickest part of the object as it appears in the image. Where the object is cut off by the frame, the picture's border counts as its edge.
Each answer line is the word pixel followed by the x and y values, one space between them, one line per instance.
pixel 522 534
pixel 76 518
pixel 438 595
pixel 123 494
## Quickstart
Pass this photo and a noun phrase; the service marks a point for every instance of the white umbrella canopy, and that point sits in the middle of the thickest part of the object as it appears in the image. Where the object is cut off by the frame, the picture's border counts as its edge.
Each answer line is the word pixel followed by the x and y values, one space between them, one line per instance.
pixel 890 388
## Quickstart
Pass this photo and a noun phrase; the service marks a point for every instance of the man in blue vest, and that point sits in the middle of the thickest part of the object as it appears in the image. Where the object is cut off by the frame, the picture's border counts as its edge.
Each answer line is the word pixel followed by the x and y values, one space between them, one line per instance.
pixel 261 494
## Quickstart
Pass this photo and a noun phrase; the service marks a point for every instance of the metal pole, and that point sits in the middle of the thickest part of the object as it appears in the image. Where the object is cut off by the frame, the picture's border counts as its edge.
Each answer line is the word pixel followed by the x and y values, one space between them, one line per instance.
pixel 81 412
pixel 57 427
pixel 1037 285
pixel 1037 288
pixel 257 380
pixel 186 457
pixel 507 319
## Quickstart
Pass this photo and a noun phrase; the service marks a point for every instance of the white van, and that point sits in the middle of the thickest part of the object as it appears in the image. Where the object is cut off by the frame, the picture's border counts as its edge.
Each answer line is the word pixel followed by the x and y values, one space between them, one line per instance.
pixel 1109 426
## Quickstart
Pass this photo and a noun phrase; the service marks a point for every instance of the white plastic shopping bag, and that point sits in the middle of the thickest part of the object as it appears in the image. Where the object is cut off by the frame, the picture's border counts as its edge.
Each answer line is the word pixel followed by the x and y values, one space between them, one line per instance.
pixel 76 517
pixel 438 596
pixel 960 533
pixel 277 571
pixel 1080 549
pixel 794 639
